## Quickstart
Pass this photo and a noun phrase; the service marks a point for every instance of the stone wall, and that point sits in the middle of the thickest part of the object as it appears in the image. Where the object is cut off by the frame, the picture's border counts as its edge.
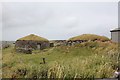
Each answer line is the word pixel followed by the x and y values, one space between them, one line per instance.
pixel 6 44
pixel 51 44
pixel 58 42
pixel 72 42
pixel 27 45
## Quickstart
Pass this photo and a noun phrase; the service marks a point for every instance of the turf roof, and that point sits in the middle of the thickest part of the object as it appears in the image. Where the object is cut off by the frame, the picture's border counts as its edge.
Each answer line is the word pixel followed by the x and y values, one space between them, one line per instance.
pixel 89 37
pixel 33 38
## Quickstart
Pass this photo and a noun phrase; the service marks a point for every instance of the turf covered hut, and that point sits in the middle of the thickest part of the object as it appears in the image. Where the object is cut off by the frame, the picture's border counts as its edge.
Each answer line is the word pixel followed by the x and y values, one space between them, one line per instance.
pixel 31 42
pixel 85 38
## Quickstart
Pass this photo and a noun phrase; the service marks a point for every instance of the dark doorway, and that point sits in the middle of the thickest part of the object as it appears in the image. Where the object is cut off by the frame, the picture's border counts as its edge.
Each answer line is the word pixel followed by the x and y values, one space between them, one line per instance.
pixel 38 46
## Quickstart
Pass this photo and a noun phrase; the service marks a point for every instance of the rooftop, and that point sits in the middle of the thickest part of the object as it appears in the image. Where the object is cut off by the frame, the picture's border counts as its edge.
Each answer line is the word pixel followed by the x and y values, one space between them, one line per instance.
pixel 33 38
pixel 117 29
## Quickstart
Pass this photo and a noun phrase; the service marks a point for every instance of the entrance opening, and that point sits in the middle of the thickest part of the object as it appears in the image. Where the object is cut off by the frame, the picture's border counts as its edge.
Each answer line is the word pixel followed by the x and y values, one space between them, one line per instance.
pixel 38 46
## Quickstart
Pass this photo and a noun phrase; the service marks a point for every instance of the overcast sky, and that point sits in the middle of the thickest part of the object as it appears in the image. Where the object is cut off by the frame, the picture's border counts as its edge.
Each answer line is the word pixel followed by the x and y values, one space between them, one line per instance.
pixel 58 20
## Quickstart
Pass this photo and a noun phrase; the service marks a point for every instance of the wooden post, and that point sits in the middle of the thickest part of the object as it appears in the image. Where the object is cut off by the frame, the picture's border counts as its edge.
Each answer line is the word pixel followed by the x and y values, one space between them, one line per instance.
pixel 44 61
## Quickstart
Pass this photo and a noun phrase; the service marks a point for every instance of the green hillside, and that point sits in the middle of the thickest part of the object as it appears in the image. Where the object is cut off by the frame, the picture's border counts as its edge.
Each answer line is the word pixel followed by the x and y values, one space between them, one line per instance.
pixel 85 60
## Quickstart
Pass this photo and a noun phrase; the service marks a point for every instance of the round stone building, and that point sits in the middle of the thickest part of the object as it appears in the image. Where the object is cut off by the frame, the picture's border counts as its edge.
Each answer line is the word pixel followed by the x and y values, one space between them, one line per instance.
pixel 31 42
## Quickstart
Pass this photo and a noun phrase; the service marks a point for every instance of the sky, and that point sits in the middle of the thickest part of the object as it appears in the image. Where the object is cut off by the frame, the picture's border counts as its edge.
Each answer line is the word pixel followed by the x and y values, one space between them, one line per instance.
pixel 0 22
pixel 57 21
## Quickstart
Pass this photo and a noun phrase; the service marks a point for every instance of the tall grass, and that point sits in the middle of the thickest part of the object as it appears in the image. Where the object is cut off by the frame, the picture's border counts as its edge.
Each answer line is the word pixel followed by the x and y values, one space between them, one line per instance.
pixel 86 60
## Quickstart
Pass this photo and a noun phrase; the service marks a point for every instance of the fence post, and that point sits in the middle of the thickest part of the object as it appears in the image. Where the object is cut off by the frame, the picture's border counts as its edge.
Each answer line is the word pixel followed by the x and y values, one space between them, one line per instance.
pixel 44 61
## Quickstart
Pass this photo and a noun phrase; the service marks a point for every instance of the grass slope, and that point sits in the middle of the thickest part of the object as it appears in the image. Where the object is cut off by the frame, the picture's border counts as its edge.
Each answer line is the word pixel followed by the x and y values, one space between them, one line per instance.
pixel 86 60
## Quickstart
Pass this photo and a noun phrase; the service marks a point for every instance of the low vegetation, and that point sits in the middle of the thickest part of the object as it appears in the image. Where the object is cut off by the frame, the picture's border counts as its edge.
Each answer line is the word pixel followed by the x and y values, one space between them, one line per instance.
pixel 84 60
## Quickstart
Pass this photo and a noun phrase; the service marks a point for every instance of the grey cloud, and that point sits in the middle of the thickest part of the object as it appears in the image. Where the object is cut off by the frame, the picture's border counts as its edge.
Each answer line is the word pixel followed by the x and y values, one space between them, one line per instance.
pixel 58 20
pixel 0 21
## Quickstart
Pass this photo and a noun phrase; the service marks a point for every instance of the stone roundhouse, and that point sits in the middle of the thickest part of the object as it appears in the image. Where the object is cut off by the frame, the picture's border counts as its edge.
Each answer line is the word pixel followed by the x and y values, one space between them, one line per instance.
pixel 31 42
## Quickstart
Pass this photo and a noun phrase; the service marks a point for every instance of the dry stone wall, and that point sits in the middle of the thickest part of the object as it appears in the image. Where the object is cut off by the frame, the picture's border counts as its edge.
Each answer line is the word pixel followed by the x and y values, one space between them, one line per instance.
pixel 27 45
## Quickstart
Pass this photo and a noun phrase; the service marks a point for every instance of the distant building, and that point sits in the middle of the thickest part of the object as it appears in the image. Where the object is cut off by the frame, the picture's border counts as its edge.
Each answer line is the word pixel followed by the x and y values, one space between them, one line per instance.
pixel 115 35
pixel 31 42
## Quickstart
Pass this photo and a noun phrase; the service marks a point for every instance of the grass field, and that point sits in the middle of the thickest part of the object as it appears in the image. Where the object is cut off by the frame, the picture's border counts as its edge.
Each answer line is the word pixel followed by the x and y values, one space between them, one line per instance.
pixel 85 60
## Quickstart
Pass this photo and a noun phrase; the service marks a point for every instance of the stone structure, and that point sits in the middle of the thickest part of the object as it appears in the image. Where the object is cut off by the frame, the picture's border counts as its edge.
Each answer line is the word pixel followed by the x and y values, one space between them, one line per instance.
pixel 51 44
pixel 115 35
pixel 31 42
pixel 58 42
pixel 6 44
pixel 86 38
pixel 73 42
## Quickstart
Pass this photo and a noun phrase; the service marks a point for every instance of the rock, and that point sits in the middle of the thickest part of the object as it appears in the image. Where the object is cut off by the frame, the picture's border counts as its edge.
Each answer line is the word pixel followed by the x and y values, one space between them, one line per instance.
pixel 33 53
pixel 116 74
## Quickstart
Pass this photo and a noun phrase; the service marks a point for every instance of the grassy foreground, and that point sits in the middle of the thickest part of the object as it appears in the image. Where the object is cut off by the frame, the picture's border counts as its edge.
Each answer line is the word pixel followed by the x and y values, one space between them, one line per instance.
pixel 86 60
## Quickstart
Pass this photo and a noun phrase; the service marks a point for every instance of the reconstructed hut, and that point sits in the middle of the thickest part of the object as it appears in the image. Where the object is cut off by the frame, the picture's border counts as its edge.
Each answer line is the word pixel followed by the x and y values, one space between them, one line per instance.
pixel 31 42
pixel 115 35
